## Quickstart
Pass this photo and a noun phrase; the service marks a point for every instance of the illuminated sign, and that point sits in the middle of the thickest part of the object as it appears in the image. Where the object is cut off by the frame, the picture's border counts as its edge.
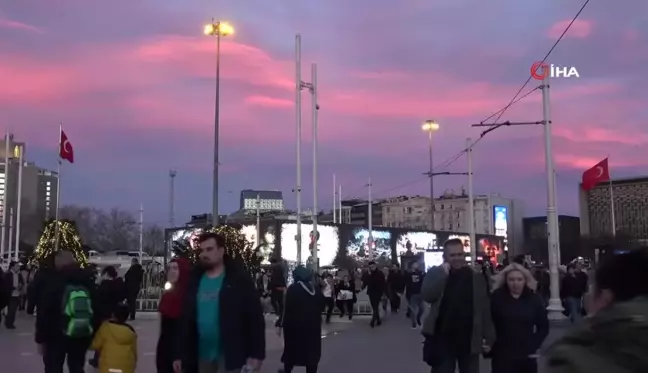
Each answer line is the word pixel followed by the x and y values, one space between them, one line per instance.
pixel 500 217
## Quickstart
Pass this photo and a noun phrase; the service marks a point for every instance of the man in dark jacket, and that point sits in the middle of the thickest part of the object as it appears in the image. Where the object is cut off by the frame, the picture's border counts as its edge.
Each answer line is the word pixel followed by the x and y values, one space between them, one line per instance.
pixel 14 283
pixel 376 285
pixel 574 286
pixel 458 327
pixel 395 286
pixel 222 328
pixel 277 286
pixel 133 279
pixel 53 336
pixel 413 282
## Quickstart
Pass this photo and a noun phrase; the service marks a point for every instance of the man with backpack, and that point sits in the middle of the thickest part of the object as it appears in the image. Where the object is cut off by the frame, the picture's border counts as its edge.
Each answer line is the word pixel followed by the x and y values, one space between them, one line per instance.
pixel 64 322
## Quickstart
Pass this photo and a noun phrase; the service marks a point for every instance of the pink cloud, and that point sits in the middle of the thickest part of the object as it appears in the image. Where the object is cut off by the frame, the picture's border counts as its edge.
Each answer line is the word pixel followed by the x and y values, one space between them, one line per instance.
pixel 585 133
pixel 269 102
pixel 580 29
pixel 15 25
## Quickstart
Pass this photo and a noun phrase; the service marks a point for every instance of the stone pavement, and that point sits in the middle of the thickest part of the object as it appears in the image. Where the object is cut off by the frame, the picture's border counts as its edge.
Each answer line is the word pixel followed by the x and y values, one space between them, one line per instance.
pixel 348 347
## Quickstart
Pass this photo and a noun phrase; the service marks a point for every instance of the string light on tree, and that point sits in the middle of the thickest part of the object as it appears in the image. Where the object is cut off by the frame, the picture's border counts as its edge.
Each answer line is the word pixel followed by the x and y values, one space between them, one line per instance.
pixel 69 239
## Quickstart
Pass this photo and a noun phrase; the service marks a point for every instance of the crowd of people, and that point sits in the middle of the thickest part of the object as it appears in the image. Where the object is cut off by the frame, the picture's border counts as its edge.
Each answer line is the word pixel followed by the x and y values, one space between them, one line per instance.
pixel 212 314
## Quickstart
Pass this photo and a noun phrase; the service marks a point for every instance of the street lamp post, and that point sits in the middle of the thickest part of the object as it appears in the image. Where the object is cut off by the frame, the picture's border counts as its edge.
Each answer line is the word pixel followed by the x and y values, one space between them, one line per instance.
pixel 217 29
pixel 430 126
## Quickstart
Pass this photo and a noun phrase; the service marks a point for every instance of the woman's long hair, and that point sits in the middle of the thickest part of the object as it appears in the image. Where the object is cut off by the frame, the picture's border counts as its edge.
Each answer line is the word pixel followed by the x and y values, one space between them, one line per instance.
pixel 499 280
pixel 171 301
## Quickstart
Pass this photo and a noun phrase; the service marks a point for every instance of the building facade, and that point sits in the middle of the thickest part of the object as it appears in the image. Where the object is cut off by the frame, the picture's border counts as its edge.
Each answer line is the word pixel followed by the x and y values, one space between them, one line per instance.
pixel 356 211
pixel 630 208
pixel 38 195
pixel 494 215
pixel 269 200
pixel 536 243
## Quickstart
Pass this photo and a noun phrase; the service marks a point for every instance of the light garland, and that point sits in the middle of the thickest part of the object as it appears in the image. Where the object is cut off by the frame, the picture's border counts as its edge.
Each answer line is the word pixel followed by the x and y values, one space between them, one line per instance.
pixel 69 239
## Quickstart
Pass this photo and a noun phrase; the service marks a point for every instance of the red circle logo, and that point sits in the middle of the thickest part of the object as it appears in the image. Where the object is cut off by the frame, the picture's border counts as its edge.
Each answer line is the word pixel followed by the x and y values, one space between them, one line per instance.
pixel 543 73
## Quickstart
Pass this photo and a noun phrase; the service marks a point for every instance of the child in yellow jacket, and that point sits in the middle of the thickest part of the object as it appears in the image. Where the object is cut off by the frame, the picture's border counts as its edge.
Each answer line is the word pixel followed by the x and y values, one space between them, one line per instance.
pixel 116 342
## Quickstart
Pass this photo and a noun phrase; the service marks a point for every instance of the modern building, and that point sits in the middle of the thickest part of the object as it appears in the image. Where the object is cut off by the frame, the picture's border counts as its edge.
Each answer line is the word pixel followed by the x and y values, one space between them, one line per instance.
pixel 38 194
pixel 630 208
pixel 536 243
pixel 269 200
pixel 493 215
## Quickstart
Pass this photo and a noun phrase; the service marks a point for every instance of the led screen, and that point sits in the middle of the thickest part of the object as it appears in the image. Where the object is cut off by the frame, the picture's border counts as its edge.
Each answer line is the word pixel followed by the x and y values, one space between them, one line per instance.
pixel 417 242
pixel 357 247
pixel 501 221
pixel 490 247
pixel 432 259
pixel 249 231
pixel 327 244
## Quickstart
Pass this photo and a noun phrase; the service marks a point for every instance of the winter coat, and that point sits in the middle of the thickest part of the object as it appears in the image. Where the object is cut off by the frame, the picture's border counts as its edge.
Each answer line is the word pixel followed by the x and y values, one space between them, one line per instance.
pixel 302 325
pixel 117 346
pixel 614 340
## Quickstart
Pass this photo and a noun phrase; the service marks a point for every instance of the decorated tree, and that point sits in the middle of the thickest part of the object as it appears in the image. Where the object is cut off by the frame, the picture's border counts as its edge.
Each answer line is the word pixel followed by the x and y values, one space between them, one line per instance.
pixel 68 239
pixel 238 247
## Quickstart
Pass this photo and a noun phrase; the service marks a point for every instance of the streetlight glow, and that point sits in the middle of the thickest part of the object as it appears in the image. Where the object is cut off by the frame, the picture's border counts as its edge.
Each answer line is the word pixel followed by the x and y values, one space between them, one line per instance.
pixel 430 126
pixel 218 28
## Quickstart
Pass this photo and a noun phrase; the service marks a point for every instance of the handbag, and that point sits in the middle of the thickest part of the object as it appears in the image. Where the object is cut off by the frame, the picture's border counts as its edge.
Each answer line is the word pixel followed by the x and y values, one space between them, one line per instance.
pixel 433 351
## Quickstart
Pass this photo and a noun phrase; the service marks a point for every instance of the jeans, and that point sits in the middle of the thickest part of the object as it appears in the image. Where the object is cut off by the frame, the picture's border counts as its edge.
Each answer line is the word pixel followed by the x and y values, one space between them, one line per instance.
pixel 329 304
pixel 575 307
pixel 416 308
pixel 55 355
pixel 12 308
pixel 375 310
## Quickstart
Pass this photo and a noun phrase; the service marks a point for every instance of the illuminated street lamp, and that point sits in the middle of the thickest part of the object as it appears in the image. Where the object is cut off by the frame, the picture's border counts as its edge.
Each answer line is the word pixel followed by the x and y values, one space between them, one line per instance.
pixel 218 29
pixel 430 126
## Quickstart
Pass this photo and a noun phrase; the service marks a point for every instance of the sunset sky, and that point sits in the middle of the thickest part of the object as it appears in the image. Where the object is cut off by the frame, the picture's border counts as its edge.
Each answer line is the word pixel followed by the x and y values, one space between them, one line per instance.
pixel 133 84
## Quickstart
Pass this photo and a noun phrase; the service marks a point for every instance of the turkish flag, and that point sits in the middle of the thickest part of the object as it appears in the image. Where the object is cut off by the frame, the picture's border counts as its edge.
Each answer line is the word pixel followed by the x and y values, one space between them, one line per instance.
pixel 65 148
pixel 598 174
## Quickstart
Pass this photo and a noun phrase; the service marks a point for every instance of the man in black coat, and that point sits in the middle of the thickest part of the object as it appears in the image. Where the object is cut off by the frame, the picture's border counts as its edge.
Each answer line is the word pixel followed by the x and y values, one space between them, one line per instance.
pixel 376 285
pixel 222 328
pixel 277 286
pixel 14 284
pixel 53 344
pixel 133 280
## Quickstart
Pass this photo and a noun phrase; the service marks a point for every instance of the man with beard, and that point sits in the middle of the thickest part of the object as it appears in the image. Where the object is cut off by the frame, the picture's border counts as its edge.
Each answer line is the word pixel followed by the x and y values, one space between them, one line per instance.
pixel 222 328
pixel 458 327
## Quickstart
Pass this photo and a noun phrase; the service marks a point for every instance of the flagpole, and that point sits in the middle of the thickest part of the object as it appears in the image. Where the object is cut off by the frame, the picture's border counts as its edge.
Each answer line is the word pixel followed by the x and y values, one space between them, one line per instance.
pixel 612 214
pixel 57 231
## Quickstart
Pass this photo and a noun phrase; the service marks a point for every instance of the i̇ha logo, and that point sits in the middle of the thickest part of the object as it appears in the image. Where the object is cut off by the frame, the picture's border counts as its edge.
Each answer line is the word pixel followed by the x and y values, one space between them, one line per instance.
pixel 540 70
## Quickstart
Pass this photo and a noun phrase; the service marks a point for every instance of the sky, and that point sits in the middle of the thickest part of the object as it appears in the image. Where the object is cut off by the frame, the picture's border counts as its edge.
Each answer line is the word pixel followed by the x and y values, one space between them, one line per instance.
pixel 133 83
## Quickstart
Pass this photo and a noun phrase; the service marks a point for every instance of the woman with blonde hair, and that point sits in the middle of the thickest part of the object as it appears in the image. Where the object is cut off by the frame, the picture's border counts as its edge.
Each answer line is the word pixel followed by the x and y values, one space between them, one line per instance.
pixel 520 320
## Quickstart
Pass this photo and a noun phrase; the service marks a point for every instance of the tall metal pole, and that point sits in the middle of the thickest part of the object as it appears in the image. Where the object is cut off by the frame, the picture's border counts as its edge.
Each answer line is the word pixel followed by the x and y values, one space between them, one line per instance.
pixel 215 217
pixel 471 205
pixel 431 183
pixel 172 176
pixel 340 203
pixel 141 232
pixel 315 109
pixel 3 235
pixel 298 87
pixel 555 305
pixel 57 227
pixel 21 161
pixel 334 200
pixel 370 221
pixel 258 221
pixel 11 225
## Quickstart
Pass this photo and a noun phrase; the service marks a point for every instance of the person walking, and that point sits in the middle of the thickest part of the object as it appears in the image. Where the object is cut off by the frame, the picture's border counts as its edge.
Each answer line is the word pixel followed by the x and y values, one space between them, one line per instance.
pixel 614 337
pixel 15 284
pixel 170 311
pixel 346 296
pixel 133 281
pixel 328 293
pixel 574 287
pixel 116 342
pixel 222 328
pixel 395 287
pixel 110 293
pixel 458 327
pixel 302 323
pixel 277 288
pixel 520 320
pixel 375 283
pixel 413 281
pixel 64 321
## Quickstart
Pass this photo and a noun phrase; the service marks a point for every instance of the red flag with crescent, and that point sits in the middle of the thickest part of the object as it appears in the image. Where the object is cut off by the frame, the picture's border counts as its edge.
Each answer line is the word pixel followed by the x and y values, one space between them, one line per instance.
pixel 600 173
pixel 65 148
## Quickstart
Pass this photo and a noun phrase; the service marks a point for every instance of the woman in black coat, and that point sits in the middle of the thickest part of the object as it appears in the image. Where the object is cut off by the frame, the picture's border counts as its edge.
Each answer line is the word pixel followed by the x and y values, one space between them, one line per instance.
pixel 520 320
pixel 302 323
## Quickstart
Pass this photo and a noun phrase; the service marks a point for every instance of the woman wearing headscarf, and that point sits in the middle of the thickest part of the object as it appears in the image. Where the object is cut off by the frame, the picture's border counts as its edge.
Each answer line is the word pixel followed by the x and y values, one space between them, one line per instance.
pixel 520 321
pixel 302 323
pixel 170 310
